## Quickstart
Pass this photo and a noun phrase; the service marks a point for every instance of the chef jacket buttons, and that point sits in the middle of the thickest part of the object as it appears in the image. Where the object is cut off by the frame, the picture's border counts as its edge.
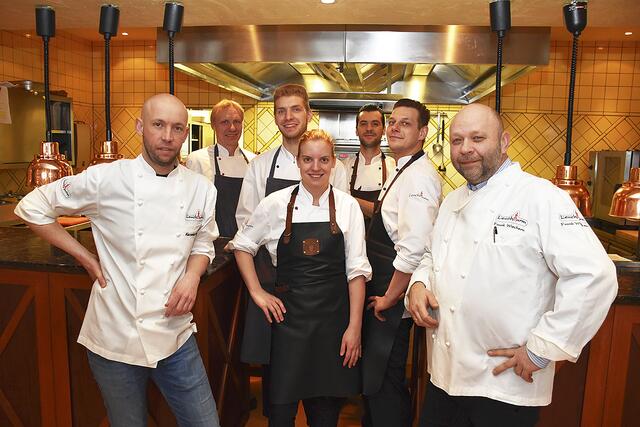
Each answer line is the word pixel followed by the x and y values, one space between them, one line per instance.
pixel 178 234
pixel 140 320
pixel 171 262
pixel 452 308
pixel 437 269
pixel 141 262
pixel 139 232
pixel 139 175
pixel 446 240
pixel 475 241
pixel 139 202
pixel 141 291
pixel 181 205
pixel 433 336
pixel 463 275
pixel 448 344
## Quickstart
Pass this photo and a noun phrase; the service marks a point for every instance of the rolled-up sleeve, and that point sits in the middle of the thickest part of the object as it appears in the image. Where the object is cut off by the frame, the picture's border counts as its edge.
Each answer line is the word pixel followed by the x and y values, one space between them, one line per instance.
pixel 417 209
pixel 357 263
pixel 71 195
pixel 208 232
pixel 249 195
pixel 255 231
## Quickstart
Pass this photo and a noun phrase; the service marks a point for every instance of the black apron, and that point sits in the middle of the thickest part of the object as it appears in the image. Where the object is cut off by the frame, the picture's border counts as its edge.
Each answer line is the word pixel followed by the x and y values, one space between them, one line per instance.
pixel 369 196
pixel 256 337
pixel 377 336
pixel 312 284
pixel 228 190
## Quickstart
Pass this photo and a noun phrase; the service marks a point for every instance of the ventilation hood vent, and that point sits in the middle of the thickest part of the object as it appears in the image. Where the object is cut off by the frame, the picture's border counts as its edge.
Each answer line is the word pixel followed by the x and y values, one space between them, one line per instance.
pixel 436 64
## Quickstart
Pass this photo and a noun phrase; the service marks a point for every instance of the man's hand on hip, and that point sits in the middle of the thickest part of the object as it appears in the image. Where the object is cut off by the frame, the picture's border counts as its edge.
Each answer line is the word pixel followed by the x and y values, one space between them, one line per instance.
pixel 420 299
pixel 518 360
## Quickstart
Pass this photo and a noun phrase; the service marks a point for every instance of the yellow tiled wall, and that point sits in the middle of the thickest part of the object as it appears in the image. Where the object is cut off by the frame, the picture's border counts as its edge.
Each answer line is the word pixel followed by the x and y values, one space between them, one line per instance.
pixel 607 114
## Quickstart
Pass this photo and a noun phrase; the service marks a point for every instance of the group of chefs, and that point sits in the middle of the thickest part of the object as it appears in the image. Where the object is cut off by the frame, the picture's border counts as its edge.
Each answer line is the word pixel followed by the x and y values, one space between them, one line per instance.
pixel 340 259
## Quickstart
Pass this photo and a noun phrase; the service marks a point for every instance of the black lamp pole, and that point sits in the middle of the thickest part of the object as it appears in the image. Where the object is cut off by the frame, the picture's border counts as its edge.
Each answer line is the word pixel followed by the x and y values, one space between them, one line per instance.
pixel 173 12
pixel 500 12
pixel 46 28
pixel 109 16
pixel 575 19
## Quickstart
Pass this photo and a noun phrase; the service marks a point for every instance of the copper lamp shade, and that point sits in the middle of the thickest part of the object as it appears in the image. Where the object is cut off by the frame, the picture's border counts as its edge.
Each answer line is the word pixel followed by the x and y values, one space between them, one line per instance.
pixel 108 153
pixel 47 166
pixel 626 200
pixel 567 179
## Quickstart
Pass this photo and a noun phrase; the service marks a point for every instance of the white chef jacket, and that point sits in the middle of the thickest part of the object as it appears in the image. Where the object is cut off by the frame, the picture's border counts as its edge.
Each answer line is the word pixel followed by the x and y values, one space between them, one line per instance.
pixel 231 165
pixel 409 210
pixel 145 228
pixel 546 281
pixel 368 177
pixel 255 180
pixel 268 221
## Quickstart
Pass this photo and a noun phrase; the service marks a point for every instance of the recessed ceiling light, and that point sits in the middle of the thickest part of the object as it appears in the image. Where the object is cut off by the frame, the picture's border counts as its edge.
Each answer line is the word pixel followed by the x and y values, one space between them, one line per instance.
pixel 28 35
pixel 327 1
pixel 125 34
pixel 628 33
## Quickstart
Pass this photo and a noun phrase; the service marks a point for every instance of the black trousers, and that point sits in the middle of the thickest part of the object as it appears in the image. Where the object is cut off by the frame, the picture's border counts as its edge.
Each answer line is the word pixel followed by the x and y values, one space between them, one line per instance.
pixel 391 405
pixel 320 412
pixel 440 410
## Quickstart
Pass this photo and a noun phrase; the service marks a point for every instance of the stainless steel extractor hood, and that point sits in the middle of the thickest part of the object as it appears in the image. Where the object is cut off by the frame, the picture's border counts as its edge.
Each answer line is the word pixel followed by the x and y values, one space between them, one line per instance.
pixel 338 63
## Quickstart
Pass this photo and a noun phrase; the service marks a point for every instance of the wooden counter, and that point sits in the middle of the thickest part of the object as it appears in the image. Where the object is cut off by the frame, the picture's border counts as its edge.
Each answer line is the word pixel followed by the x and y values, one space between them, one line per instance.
pixel 45 379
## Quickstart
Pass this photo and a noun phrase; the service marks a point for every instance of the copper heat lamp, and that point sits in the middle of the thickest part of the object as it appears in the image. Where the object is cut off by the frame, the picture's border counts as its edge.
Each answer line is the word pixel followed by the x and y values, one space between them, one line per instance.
pixel 109 15
pixel 49 165
pixel 575 19
pixel 626 201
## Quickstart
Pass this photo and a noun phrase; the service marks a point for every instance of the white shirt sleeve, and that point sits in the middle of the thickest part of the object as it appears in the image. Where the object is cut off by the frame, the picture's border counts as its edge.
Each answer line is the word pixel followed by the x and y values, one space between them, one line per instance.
pixel 71 195
pixel 586 286
pixel 339 177
pixel 250 194
pixel 355 248
pixel 208 232
pixel 417 209
pixel 257 230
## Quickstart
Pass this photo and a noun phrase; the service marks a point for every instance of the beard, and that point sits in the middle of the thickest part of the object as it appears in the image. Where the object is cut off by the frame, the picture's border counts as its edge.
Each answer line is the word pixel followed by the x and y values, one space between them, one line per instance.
pixel 371 144
pixel 154 157
pixel 488 166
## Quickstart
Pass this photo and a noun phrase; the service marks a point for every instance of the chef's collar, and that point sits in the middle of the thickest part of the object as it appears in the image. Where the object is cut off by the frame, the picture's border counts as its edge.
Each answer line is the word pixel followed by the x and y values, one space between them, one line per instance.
pixel 403 160
pixel 373 159
pixel 307 195
pixel 503 166
pixel 149 170
pixel 224 152
pixel 289 156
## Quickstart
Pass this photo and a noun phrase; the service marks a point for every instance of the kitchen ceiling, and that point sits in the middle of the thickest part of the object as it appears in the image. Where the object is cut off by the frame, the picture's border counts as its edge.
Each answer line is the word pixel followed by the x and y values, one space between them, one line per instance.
pixel 78 14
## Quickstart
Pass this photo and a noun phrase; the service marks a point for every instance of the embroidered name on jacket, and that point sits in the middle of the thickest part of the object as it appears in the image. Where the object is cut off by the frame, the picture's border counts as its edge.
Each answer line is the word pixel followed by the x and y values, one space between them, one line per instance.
pixel 573 218
pixel 513 221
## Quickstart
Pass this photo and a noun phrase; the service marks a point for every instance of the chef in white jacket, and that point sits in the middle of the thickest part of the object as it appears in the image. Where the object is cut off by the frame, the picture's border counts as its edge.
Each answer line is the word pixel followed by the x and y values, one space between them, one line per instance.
pixel 153 226
pixel 514 281
pixel 224 162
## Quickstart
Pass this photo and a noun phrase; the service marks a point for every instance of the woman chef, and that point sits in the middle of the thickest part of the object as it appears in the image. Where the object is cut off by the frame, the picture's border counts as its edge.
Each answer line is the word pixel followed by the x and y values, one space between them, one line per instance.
pixel 315 236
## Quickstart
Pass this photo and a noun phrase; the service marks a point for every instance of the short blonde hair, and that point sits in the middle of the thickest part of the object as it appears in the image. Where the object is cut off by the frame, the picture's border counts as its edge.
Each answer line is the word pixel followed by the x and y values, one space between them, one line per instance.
pixel 223 105
pixel 315 135
pixel 292 89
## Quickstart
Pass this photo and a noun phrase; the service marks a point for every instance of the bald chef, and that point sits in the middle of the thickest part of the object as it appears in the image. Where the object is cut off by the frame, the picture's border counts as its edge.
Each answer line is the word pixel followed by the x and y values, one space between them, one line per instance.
pixel 396 241
pixel 518 278
pixel 224 163
pixel 369 167
pixel 153 226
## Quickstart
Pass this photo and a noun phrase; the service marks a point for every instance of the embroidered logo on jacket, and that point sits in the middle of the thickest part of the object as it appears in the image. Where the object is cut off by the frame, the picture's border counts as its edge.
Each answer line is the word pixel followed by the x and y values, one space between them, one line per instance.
pixel 514 221
pixel 65 188
pixel 196 216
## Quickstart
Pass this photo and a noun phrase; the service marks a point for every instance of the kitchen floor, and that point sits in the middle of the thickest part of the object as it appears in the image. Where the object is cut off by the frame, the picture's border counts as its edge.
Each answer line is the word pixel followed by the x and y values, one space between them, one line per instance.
pixel 349 416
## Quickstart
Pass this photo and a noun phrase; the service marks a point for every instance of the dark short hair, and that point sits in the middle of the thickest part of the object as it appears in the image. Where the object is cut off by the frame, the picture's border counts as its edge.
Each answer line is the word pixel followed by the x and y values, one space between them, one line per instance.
pixel 370 107
pixel 423 112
